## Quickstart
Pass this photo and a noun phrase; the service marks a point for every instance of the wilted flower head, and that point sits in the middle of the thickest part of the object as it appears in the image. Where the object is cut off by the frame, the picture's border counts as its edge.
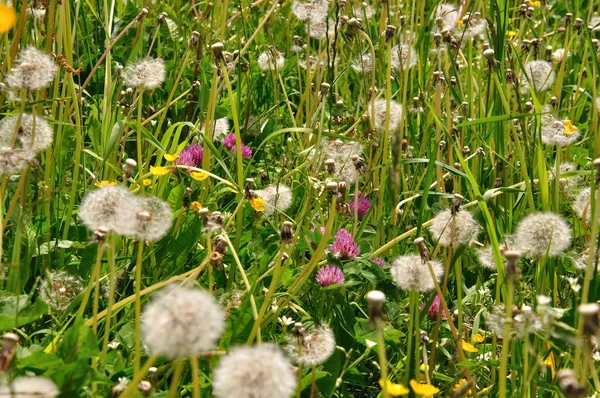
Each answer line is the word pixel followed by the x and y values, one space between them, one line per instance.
pixel 344 247
pixel 146 74
pixel 182 322
pixel 229 143
pixel 446 16
pixel 276 197
pixel 105 207
pixel 454 229
pixel 541 234
pixel 254 372
pixel 59 289
pixel 403 56
pixel 410 272
pixel 30 387
pixel 34 133
pixel 150 219
pixel 539 74
pixel 271 60
pixel 315 347
pixel 33 70
pixel 380 112
pixel 361 204
pixel 191 156
pixel 330 275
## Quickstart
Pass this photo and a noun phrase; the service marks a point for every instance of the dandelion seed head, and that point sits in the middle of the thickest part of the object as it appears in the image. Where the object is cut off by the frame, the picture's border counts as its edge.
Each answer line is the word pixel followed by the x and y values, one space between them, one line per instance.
pixel 595 22
pixel 539 234
pixel 344 247
pixel 147 74
pixel 270 60
pixel 342 152
pixel 580 261
pixel 221 128
pixel 30 387
pixel 474 27
pixel 319 28
pixel 33 70
pixel 581 204
pixel 105 207
pixel 315 10
pixel 403 56
pixel 411 273
pixel 330 275
pixel 539 74
pixel 59 289
pixel 364 64
pixel 37 13
pixel 13 160
pixel 276 197
pixel 380 113
pixel 182 322
pixel 568 184
pixel 446 16
pixel 151 219
pixel 254 372
pixel 454 230
pixel 555 133
pixel 315 347
pixel 34 132
pixel 559 55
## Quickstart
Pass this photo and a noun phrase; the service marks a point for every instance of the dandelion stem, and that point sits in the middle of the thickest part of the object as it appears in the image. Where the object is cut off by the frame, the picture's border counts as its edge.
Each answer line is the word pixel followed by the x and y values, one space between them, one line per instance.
pixel 138 305
pixel 506 339
pixel 382 357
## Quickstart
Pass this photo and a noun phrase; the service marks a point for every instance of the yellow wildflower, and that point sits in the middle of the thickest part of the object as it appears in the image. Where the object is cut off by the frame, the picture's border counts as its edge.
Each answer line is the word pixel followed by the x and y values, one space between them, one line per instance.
pixel 459 21
pixel 423 389
pixel 158 171
pixel 258 204
pixel 533 3
pixel 8 17
pixel 468 347
pixel 198 175
pixel 569 128
pixel 147 182
pixel 395 390
pixel 477 338
pixel 105 183
pixel 195 206
pixel 460 385
pixel 511 33
pixel 171 158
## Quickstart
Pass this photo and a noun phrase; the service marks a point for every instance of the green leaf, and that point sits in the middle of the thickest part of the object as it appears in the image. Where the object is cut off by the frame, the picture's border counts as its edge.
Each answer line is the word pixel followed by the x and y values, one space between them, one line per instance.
pixel 16 311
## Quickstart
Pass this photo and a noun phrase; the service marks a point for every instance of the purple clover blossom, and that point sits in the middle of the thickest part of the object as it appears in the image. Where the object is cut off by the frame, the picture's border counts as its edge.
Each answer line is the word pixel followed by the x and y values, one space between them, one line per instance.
pixel 330 275
pixel 229 143
pixel 191 156
pixel 362 206
pixel 344 247
pixel 433 309
pixel 378 261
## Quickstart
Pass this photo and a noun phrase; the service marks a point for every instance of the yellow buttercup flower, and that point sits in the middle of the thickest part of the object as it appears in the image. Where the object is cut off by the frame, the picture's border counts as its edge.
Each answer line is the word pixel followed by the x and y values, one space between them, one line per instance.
pixel 459 385
pixel 105 183
pixel 477 338
pixel 158 171
pixel 195 206
pixel 569 128
pixel 468 347
pixel 511 33
pixel 8 17
pixel 395 390
pixel 147 182
pixel 258 204
pixel 535 3
pixel 423 389
pixel 198 175
pixel 171 158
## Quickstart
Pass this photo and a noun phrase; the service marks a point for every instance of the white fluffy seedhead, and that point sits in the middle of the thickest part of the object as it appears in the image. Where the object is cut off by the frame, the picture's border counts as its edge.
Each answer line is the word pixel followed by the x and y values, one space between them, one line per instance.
pixel 254 372
pixel 411 273
pixel 380 113
pixel 33 70
pixel 30 387
pixel 33 134
pixel 541 234
pixel 182 322
pixel 538 74
pixel 454 230
pixel 109 207
pixel 146 74
pixel 315 348
pixel 150 219
pixel 277 198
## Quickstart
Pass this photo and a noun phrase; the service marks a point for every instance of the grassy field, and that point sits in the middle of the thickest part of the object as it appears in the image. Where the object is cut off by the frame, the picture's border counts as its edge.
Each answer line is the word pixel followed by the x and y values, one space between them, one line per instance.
pixel 275 198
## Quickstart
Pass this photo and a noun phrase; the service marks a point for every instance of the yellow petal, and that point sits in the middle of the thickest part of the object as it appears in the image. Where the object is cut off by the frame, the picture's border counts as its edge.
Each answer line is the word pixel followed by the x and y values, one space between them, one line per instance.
pixel 425 390
pixel 468 347
pixel 569 128
pixel 8 17
pixel 171 158
pixel 158 171
pixel 195 206
pixel 258 204
pixel 533 3
pixel 459 385
pixel 198 175
pixel 105 183
pixel 477 338
pixel 395 390
pixel 147 182
pixel 511 33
